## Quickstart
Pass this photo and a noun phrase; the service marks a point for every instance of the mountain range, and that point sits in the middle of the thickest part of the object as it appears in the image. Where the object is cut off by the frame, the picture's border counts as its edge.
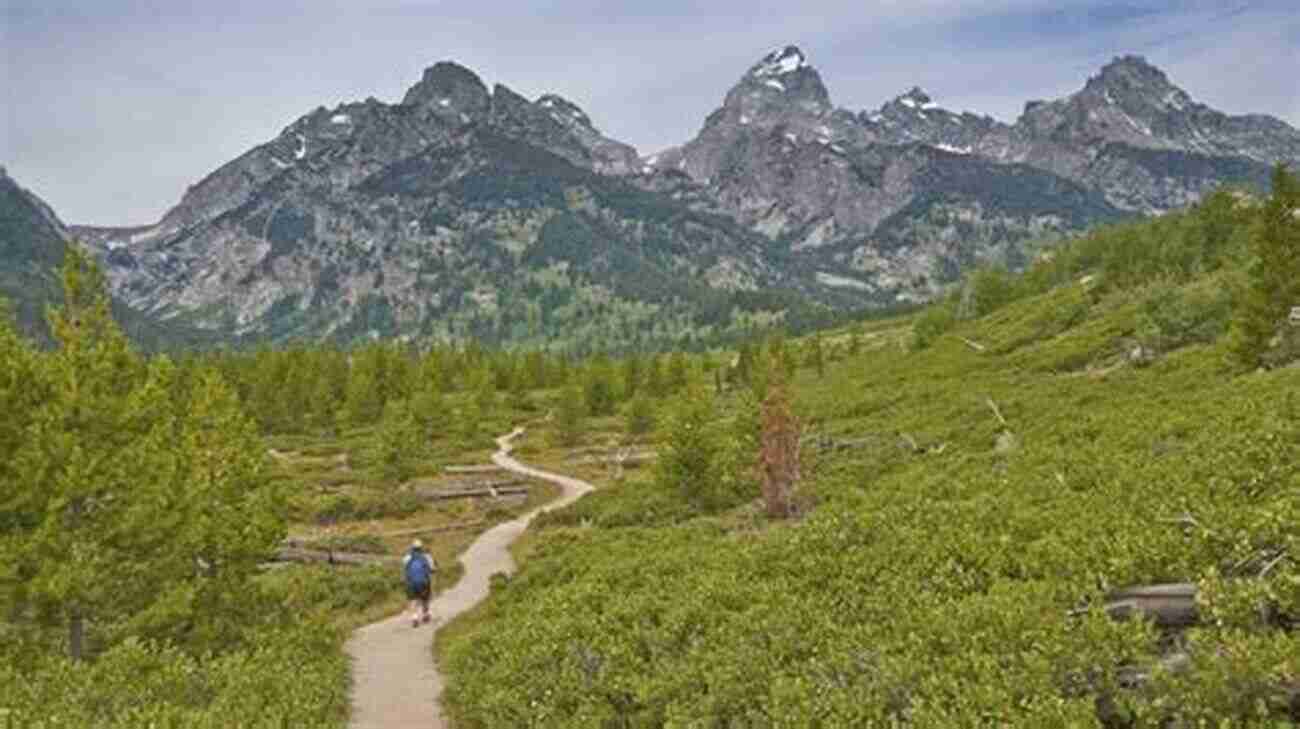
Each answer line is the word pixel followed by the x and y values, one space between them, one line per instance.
pixel 463 211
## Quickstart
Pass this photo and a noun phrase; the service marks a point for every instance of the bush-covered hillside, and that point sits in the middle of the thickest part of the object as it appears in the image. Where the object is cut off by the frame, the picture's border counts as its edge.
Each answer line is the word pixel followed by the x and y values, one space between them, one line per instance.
pixel 977 481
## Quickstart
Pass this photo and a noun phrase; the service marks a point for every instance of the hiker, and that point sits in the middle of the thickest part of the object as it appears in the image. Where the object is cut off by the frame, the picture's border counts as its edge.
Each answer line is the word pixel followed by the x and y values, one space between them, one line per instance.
pixel 418 567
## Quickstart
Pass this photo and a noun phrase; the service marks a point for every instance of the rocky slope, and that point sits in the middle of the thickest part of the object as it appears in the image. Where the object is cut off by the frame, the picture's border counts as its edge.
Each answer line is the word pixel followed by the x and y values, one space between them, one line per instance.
pixel 33 242
pixel 896 201
pixel 469 211
pixel 458 212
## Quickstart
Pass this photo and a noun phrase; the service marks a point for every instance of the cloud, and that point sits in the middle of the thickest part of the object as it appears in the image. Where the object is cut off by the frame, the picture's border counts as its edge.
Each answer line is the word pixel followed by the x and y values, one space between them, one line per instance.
pixel 115 106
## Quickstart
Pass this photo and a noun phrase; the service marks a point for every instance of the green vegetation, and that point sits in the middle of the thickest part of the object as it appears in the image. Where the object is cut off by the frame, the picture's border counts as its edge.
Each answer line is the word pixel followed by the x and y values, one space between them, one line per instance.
pixel 974 499
pixel 905 522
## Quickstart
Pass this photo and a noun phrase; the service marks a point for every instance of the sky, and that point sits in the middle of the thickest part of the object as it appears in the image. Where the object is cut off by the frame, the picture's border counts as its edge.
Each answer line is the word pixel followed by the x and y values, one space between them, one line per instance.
pixel 113 107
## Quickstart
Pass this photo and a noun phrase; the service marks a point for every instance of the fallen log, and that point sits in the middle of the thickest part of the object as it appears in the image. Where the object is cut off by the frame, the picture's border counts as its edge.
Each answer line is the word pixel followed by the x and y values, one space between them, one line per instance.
pixel 487 491
pixel 482 468
pixel 434 530
pixel 325 556
pixel 1172 607
pixel 644 457
pixel 1168 606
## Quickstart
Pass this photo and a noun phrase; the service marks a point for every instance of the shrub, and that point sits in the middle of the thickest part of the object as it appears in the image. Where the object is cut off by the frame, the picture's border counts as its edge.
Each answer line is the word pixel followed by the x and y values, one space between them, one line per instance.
pixel 1173 316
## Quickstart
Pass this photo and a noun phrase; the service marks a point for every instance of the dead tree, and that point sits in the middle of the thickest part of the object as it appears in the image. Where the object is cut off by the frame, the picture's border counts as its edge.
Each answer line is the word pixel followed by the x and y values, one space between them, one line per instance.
pixel 779 453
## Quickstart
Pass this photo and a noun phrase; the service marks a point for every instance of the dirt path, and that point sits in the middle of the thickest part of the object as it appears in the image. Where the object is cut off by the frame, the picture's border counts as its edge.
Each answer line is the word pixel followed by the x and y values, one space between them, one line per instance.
pixel 395 683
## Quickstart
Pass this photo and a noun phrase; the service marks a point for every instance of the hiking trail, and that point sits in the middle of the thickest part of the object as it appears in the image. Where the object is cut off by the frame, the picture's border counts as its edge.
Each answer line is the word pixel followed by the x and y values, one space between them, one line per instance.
pixel 395 683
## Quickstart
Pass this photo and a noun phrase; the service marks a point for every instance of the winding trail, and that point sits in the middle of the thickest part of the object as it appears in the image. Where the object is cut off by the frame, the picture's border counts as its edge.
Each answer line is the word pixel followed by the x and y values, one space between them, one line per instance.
pixel 395 684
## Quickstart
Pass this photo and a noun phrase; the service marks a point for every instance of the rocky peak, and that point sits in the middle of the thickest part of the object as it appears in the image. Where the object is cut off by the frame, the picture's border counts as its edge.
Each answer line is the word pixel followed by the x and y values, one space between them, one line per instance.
pixel 1130 72
pixel 449 89
pixel 1129 101
pixel 782 82
pixel 915 98
pixel 564 111
pixel 778 63
pixel 906 108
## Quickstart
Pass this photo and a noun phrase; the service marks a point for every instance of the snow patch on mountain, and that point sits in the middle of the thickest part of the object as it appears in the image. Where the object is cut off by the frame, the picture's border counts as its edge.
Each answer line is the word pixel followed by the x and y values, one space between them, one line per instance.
pixel 780 62
pixel 843 282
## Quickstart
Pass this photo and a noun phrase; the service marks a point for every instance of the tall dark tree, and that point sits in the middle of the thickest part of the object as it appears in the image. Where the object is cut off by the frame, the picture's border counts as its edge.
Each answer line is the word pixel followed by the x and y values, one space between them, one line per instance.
pixel 1274 284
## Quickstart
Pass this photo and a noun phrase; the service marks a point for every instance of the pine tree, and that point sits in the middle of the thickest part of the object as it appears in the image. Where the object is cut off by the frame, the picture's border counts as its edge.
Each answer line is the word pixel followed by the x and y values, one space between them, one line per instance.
pixel 640 416
pixel 743 369
pixel 816 356
pixel 363 402
pixel 569 414
pixel 131 508
pixel 535 366
pixel 399 443
pixel 688 453
pixel 233 518
pixel 21 392
pixel 679 372
pixel 1274 285
pixel 654 378
pixel 428 403
pixel 598 390
pixel 631 376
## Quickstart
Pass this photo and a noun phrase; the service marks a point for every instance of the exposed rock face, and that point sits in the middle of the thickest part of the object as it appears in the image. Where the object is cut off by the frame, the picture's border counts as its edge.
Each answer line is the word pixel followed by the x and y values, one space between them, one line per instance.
pixel 457 212
pixel 468 211
pixel 911 193
pixel 33 243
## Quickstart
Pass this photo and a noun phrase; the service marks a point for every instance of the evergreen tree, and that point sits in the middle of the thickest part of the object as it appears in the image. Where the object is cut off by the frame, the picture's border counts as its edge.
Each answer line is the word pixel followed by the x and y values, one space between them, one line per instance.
pixel 631 376
pixel 688 453
pixel 640 416
pixel 743 369
pixel 569 413
pixel 1274 285
pixel 679 372
pixel 654 378
pixel 233 517
pixel 399 443
pixel 598 390
pixel 427 402
pixel 363 402
pixel 816 355
pixel 535 366
pixel 21 392
pixel 130 512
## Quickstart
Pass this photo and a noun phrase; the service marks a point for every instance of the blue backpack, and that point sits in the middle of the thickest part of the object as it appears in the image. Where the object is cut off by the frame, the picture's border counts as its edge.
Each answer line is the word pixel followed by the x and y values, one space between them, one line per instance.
pixel 417 571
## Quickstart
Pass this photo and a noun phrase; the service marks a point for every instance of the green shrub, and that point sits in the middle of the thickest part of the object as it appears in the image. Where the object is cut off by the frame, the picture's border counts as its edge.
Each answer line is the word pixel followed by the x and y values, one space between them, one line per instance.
pixel 1174 316
pixel 933 323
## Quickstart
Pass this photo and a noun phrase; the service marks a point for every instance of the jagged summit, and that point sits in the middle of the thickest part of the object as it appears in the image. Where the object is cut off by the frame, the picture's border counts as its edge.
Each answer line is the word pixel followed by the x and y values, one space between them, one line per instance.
pixel 779 63
pixel 1131 67
pixel 1132 76
pixel 447 84
pixel 345 193
pixel 781 81
pixel 915 99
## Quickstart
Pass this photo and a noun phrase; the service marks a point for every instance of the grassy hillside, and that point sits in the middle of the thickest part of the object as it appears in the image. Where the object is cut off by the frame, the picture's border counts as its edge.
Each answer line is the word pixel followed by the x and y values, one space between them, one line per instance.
pixel 977 480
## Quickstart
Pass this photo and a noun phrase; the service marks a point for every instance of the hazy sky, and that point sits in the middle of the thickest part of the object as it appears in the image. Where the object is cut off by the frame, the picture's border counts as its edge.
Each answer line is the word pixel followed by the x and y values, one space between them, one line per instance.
pixel 113 107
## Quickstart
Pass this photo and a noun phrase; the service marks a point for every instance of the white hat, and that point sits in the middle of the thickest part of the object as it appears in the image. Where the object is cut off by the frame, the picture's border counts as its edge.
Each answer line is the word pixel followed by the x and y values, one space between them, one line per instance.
pixel 417 544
